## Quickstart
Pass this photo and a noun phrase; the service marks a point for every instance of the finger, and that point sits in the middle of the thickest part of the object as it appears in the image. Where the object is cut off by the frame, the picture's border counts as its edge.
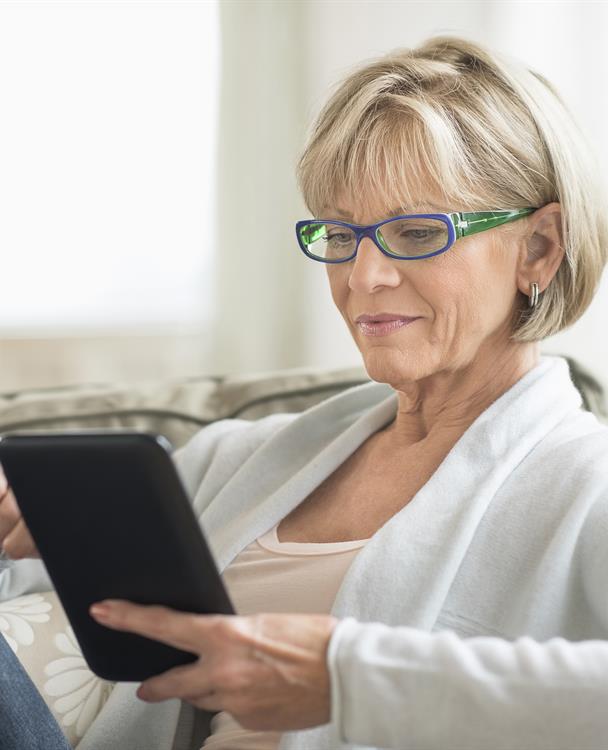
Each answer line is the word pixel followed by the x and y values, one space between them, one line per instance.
pixel 208 701
pixel 180 629
pixel 3 484
pixel 18 543
pixel 9 513
pixel 183 682
pixel 11 542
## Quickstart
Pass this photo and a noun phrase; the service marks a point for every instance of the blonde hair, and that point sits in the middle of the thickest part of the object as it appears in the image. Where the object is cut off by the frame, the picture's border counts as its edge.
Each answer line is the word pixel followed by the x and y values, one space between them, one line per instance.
pixel 480 131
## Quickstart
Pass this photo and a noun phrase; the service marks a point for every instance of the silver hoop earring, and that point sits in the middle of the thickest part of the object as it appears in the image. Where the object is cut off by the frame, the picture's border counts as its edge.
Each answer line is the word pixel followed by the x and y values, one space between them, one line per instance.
pixel 533 298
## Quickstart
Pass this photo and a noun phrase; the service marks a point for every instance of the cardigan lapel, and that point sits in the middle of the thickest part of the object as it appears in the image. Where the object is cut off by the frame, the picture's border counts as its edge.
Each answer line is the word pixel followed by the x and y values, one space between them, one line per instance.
pixel 404 573
pixel 285 469
pixel 406 569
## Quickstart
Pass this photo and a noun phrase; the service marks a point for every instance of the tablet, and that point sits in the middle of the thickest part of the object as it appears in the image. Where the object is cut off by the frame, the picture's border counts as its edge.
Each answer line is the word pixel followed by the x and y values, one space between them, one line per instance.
pixel 111 520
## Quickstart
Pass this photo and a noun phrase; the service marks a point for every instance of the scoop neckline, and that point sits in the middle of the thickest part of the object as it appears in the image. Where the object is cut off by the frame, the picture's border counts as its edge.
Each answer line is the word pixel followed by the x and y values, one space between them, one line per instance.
pixel 270 541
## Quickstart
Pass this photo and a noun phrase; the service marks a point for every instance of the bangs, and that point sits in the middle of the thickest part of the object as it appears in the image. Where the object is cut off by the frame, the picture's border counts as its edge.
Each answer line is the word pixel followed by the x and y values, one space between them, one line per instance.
pixel 400 154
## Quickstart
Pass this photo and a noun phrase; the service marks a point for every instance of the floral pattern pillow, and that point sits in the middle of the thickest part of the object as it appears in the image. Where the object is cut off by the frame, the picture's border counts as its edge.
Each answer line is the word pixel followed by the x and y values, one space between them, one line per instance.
pixel 38 631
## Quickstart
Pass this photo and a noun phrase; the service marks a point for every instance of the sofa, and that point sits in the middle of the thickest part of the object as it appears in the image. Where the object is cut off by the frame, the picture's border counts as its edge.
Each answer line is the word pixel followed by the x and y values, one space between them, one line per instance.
pixel 34 624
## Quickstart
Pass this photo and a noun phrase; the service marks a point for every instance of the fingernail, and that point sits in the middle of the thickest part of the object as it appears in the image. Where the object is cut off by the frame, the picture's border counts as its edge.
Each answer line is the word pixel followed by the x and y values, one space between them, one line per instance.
pixel 100 611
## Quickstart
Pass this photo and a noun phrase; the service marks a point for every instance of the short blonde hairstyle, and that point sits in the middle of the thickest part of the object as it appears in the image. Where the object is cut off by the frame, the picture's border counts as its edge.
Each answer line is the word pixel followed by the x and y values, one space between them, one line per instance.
pixel 480 131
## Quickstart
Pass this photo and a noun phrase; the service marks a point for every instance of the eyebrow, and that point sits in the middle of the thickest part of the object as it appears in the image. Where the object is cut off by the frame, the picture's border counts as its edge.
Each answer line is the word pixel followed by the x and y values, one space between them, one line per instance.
pixel 395 212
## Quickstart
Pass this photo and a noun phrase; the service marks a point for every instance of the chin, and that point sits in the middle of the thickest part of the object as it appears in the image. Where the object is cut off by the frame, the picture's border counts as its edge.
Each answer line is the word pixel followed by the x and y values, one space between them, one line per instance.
pixel 393 366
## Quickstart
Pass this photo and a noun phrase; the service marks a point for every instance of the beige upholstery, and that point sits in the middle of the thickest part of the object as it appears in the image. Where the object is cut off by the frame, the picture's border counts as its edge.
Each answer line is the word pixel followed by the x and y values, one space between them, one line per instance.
pixel 174 408
pixel 179 408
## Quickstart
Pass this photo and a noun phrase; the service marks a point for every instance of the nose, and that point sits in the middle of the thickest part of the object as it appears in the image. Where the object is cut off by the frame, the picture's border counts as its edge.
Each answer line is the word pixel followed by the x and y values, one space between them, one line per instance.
pixel 371 270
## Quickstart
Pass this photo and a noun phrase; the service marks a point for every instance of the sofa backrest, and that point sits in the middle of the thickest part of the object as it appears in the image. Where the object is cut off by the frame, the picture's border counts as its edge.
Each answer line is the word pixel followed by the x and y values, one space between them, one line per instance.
pixel 175 408
pixel 179 408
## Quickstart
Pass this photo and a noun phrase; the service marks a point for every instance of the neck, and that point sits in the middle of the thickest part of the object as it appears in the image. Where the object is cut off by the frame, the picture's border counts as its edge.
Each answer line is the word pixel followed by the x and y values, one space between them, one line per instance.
pixel 446 403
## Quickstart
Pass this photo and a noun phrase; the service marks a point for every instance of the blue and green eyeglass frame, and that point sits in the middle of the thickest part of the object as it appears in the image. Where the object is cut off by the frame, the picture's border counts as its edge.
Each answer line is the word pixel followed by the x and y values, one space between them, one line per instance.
pixel 406 237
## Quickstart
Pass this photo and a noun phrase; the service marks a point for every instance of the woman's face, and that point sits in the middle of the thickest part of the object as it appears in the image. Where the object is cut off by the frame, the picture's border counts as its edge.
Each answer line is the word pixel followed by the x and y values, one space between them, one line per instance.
pixel 446 311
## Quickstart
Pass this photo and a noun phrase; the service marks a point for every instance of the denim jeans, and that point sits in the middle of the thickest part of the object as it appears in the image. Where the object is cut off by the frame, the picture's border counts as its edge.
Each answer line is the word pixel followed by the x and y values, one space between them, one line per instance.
pixel 25 721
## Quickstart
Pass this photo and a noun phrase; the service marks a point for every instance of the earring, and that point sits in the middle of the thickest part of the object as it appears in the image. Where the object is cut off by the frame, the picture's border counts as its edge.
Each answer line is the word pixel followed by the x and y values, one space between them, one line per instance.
pixel 533 298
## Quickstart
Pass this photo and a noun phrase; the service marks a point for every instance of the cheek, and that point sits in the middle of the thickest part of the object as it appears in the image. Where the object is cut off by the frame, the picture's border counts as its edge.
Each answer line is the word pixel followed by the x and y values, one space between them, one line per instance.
pixel 471 293
pixel 496 284
pixel 338 285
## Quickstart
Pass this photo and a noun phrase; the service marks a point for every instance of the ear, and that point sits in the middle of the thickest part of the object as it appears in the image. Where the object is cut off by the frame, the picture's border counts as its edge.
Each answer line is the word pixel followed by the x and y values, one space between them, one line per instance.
pixel 543 248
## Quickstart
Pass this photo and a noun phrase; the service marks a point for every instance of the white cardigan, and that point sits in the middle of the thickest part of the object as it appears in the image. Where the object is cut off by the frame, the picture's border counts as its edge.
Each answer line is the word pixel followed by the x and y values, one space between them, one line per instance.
pixel 508 538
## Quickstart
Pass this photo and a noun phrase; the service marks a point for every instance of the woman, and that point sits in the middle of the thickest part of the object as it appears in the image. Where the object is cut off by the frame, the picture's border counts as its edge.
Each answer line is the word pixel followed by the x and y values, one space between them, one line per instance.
pixel 465 490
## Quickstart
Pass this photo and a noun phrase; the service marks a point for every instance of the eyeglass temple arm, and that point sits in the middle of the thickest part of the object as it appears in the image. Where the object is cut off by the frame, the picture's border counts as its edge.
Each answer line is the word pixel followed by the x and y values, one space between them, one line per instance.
pixel 478 221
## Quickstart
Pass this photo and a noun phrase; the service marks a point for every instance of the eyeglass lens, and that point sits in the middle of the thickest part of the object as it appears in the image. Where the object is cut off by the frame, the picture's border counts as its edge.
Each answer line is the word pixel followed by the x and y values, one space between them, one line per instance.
pixel 405 238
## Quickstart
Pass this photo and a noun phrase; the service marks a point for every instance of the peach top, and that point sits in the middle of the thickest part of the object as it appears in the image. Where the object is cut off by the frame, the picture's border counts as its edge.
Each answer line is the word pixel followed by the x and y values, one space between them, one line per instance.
pixel 274 576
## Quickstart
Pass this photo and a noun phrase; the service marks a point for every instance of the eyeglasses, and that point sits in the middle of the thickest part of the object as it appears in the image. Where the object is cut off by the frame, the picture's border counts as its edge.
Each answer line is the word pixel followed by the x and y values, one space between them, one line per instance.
pixel 408 237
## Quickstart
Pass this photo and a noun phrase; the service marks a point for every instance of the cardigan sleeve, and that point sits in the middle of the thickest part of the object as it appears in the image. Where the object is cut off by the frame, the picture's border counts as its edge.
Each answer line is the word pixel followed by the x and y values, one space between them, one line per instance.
pixel 19 577
pixel 593 545
pixel 397 687
pixel 216 453
pixel 193 459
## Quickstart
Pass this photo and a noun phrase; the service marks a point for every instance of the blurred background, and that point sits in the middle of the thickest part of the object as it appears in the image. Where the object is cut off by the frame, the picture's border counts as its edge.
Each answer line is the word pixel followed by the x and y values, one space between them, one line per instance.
pixel 147 189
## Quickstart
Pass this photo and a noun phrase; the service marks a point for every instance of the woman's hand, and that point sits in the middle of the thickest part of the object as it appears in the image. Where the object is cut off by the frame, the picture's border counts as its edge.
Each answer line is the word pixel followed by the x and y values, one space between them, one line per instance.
pixel 15 540
pixel 269 670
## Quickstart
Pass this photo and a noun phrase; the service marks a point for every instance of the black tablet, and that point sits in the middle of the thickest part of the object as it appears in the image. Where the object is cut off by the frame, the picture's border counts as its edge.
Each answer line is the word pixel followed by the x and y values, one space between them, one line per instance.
pixel 112 520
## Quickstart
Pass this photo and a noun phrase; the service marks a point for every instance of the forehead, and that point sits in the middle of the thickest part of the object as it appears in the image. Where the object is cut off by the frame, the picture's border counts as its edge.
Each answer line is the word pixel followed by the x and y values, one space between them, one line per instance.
pixel 362 211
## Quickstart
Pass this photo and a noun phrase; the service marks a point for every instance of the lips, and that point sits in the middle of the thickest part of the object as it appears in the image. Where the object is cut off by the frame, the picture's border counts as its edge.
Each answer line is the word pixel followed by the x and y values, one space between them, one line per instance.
pixel 382 324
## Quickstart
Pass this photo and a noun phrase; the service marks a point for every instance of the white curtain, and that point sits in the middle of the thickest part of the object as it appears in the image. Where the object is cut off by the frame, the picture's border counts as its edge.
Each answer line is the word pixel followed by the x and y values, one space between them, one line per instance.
pixel 259 296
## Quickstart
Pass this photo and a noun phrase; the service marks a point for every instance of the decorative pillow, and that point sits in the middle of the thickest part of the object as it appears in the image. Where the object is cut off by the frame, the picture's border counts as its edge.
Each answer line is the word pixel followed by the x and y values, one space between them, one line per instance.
pixel 38 631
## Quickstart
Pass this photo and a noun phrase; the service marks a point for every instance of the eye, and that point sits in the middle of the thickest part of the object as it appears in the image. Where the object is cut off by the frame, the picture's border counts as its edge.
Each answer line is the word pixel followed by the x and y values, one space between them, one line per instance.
pixel 420 234
pixel 338 237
